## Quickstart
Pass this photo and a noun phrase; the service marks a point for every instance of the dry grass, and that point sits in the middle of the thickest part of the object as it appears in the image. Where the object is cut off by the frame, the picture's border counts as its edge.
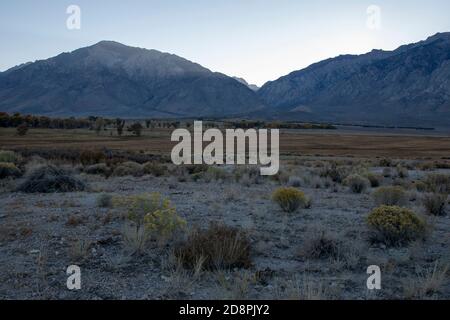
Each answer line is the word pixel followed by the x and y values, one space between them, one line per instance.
pixel 435 203
pixel 427 282
pixel 219 247
pixel 157 140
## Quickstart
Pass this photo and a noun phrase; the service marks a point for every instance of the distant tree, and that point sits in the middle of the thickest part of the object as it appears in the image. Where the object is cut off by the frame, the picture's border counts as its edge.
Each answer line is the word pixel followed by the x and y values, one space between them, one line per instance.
pixel 22 129
pixel 119 125
pixel 147 123
pixel 136 128
pixel 98 125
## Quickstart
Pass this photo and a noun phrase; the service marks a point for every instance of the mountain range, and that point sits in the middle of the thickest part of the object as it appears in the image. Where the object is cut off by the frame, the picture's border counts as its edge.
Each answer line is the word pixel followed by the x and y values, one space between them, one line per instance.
pixel 111 79
pixel 409 86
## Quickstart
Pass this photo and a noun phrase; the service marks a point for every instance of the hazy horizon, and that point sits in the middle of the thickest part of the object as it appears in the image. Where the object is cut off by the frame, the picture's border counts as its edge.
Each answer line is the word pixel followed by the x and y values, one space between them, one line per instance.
pixel 255 40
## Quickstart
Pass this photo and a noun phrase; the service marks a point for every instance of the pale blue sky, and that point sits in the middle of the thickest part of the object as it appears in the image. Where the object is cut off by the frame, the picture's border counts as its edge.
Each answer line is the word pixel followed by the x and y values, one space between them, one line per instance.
pixel 258 40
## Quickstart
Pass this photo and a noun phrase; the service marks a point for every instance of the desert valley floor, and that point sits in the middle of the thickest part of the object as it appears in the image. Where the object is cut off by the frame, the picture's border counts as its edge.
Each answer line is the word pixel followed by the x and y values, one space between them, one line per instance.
pixel 320 251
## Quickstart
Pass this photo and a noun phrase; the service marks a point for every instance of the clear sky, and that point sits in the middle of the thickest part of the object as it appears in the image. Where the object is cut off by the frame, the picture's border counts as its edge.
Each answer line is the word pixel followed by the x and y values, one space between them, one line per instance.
pixel 258 40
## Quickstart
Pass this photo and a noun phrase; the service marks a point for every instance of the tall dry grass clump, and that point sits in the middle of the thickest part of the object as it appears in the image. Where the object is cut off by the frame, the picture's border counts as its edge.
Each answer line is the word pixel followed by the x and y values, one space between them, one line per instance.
pixel 218 247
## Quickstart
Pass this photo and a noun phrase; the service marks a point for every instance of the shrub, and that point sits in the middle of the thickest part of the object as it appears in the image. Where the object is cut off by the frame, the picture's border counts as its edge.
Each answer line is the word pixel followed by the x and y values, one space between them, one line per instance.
pixel 48 179
pixel 439 183
pixel 321 246
pixel 356 183
pixel 402 172
pixel 156 214
pixel 88 157
pixel 9 170
pixel 79 250
pixel 374 180
pixel 385 162
pixel 215 174
pixel 155 169
pixel 390 196
pixel 99 168
pixel 135 238
pixel 435 203
pixel 163 222
pixel 421 186
pixel 9 156
pixel 128 168
pixel 196 168
pixel 295 182
pixel 240 171
pixel 394 225
pixel 104 200
pixel 289 199
pixel 335 172
pixel 387 172
pixel 218 247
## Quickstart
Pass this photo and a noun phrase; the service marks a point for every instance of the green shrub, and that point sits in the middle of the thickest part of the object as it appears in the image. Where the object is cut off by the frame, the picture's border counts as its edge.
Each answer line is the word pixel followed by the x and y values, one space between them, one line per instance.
pixel 128 168
pixel 335 172
pixel 421 186
pixel 9 170
pixel 402 172
pixel 394 225
pixel 295 182
pixel 374 180
pixel 9 156
pixel 356 183
pixel 104 200
pixel 155 169
pixel 290 199
pixel 218 247
pixel 196 168
pixel 435 203
pixel 387 172
pixel 438 182
pixel 385 162
pixel 390 196
pixel 99 168
pixel 215 174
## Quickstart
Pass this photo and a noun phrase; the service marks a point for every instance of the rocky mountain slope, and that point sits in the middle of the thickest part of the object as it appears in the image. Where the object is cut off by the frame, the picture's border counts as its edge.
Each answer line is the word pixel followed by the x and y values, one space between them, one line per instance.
pixel 408 86
pixel 111 79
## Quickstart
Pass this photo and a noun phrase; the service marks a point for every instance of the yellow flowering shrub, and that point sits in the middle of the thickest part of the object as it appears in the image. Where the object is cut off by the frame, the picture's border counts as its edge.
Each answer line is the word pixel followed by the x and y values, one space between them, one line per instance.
pixel 394 225
pixel 290 199
pixel 156 214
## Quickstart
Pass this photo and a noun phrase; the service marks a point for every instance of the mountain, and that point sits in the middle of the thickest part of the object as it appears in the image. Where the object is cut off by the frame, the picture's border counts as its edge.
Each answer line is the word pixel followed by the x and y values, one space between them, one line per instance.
pixel 111 79
pixel 407 86
pixel 253 87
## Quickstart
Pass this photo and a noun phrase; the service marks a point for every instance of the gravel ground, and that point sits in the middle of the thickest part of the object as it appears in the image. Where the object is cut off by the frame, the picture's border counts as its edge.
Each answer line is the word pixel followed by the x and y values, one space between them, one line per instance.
pixel 38 232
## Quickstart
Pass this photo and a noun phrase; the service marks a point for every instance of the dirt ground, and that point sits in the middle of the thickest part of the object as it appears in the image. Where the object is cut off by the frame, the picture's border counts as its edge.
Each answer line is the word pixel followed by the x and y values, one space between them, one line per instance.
pixel 41 234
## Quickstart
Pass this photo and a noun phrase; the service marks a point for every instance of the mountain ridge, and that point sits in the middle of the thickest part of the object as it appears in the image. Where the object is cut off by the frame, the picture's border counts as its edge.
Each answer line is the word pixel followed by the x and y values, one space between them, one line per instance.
pixel 109 78
pixel 409 85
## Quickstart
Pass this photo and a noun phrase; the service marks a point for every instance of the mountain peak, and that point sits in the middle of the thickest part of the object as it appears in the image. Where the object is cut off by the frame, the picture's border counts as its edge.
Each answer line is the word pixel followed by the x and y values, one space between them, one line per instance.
pixel 112 79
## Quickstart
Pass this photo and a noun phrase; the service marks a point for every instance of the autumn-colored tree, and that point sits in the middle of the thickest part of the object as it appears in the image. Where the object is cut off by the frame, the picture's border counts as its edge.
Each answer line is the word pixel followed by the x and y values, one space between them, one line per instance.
pixel 22 129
